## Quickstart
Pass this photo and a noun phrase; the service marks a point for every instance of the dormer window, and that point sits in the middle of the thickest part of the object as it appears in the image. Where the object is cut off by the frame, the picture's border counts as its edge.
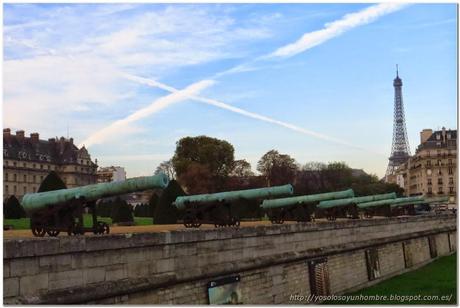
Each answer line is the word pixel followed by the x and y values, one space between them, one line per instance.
pixel 438 136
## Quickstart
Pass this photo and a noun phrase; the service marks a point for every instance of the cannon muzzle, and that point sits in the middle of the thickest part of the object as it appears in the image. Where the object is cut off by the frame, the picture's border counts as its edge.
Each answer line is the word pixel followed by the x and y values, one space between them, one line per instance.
pixel 291 201
pixel 37 201
pixel 258 193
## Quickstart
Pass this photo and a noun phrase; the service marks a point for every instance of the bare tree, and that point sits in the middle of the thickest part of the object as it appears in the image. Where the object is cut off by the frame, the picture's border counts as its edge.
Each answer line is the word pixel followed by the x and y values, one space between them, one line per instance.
pixel 167 168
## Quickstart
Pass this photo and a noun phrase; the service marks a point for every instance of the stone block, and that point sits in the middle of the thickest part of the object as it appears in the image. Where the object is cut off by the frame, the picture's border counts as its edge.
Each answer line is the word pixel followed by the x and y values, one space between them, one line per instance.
pixel 92 275
pixel 6 268
pixel 24 267
pixel 31 285
pixel 164 265
pixel 138 269
pixel 65 279
pixel 115 272
pixel 10 287
pixel 55 263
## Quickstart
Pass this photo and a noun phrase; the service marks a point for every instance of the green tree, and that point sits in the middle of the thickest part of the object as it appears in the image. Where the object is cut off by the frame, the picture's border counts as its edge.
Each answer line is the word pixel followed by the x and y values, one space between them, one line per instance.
pixel 338 176
pixel 205 155
pixel 123 212
pixel 152 205
pixel 277 168
pixel 241 168
pixel 51 182
pixel 12 209
pixel 165 212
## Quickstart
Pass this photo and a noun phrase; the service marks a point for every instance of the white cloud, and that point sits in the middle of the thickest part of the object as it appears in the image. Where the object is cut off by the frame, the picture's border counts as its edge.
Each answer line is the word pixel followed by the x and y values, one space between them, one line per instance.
pixel 338 27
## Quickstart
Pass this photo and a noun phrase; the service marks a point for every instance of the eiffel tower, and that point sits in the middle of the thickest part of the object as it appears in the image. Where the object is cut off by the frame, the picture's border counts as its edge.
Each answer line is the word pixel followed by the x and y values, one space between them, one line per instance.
pixel 400 151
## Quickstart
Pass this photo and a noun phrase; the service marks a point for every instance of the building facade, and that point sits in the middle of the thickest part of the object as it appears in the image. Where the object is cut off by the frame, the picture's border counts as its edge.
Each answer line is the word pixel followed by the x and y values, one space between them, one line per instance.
pixel 111 174
pixel 432 171
pixel 28 160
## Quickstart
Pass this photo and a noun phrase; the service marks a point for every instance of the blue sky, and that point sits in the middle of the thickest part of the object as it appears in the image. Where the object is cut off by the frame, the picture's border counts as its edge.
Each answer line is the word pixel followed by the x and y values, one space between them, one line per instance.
pixel 325 74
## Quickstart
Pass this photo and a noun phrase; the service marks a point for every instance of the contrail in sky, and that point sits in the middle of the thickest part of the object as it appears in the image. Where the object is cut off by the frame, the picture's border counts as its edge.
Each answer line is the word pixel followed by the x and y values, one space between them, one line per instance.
pixel 159 104
pixel 336 28
pixel 243 112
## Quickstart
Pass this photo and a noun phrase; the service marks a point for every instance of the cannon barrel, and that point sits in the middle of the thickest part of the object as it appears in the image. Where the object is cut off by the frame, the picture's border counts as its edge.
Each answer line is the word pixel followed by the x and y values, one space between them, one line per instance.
pixel 36 201
pixel 283 202
pixel 229 196
pixel 394 202
pixel 343 202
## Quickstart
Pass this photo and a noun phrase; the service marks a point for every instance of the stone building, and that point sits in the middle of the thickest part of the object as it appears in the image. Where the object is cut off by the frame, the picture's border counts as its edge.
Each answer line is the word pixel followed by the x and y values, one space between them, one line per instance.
pixel 111 174
pixel 432 171
pixel 28 160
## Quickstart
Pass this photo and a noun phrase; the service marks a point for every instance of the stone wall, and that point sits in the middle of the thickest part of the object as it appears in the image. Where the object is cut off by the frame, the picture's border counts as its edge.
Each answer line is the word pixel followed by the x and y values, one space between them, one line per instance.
pixel 174 267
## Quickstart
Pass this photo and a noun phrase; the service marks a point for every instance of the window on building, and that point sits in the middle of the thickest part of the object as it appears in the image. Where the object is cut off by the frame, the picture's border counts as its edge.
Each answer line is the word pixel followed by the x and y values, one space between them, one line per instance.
pixel 451 190
pixel 24 165
pixel 430 191
pixel 319 277
pixel 34 166
pixel 14 163
pixel 439 162
pixel 81 161
pixel 34 178
pixel 428 181
pixel 372 262
pixel 451 171
pixel 407 252
pixel 440 192
pixel 6 176
pixel 440 181
pixel 41 166
pixel 6 189
pixel 14 177
pixel 432 244
pixel 49 167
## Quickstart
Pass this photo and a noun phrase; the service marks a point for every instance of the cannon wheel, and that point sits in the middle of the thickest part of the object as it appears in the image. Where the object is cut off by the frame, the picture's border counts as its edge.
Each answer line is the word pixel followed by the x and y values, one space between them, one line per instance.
pixel 38 231
pixel 53 232
pixel 75 230
pixel 188 220
pixel 101 228
pixel 368 215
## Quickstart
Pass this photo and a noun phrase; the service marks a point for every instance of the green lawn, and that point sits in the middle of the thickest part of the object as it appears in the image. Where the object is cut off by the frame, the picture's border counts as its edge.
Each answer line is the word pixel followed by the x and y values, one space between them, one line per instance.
pixel 437 278
pixel 24 223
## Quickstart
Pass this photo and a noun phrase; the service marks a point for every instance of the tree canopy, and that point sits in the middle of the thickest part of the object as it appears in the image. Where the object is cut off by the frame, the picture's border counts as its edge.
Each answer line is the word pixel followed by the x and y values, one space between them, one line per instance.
pixel 51 182
pixel 165 212
pixel 277 168
pixel 209 158
pixel 12 209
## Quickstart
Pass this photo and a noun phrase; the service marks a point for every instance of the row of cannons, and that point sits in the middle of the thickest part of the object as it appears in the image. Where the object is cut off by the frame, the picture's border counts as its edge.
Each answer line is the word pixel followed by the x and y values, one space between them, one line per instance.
pixel 62 210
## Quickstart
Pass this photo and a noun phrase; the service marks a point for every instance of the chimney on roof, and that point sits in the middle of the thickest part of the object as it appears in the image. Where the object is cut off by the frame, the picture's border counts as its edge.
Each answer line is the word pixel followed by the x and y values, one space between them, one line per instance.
pixel 20 134
pixel 71 141
pixel 6 132
pixel 34 137
pixel 444 137
pixel 425 134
